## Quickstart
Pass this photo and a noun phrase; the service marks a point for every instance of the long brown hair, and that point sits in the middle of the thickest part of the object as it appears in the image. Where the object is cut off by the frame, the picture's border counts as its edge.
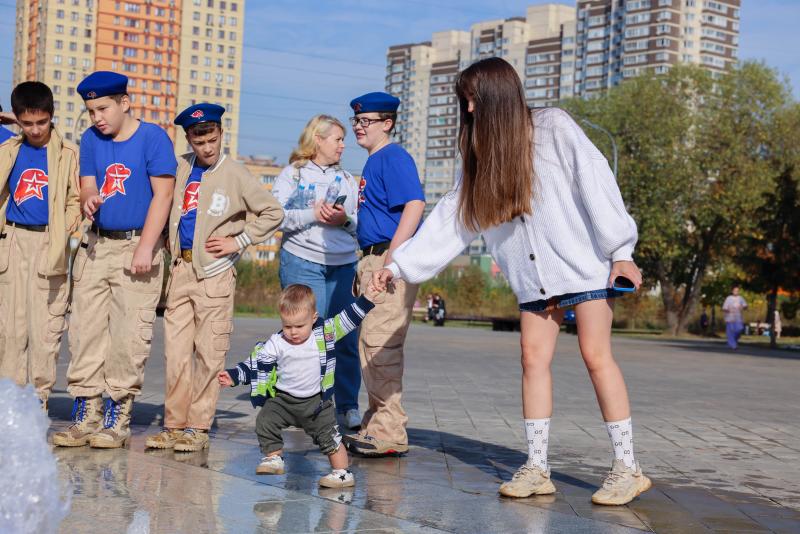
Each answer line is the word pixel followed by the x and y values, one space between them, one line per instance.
pixel 496 145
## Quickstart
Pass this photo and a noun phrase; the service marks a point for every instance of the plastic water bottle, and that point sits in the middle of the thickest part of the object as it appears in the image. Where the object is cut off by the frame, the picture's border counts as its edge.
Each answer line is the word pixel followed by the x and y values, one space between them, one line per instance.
pixel 295 201
pixel 333 191
pixel 311 196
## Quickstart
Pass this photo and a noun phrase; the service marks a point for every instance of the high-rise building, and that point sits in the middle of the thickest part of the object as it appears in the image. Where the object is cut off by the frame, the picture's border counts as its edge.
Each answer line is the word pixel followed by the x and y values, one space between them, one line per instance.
pixel 174 52
pixel 620 39
pixel 422 76
pixel 559 52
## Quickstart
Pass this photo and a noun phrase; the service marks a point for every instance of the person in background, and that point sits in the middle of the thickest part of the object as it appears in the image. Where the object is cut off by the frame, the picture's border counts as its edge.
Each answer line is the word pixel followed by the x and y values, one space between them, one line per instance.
pixel 733 307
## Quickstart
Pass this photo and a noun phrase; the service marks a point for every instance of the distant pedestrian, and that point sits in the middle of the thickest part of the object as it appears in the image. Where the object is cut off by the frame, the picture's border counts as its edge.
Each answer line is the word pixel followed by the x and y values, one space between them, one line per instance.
pixel 733 307
pixel 704 323
pixel 777 325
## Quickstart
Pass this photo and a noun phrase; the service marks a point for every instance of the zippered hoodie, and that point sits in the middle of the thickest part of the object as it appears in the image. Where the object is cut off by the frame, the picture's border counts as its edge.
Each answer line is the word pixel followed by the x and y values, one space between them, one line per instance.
pixel 228 194
pixel 63 203
pixel 303 235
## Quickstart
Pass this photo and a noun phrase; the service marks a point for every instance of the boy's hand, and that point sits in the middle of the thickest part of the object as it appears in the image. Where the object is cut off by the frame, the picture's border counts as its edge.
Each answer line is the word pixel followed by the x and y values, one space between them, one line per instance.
pixel 221 246
pixel 90 206
pixel 224 379
pixel 142 260
pixel 6 117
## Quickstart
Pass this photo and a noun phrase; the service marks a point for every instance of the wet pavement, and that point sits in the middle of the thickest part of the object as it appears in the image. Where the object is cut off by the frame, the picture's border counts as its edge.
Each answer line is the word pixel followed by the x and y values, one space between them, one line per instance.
pixel 716 431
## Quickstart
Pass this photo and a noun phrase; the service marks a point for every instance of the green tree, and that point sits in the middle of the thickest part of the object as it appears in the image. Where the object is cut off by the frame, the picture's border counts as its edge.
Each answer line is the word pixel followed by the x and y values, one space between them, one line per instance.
pixel 691 168
pixel 771 253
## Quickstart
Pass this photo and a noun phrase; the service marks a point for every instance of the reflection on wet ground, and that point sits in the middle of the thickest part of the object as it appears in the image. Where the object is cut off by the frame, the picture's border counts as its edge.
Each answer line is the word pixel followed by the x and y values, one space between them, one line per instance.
pixel 217 490
pixel 717 433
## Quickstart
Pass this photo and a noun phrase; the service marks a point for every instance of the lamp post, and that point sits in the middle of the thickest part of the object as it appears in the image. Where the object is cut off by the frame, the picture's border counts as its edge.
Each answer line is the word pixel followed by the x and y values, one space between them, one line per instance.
pixel 590 124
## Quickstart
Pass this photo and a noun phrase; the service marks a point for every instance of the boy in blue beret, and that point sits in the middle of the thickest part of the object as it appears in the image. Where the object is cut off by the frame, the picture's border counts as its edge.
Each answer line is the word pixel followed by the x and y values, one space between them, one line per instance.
pixel 391 202
pixel 127 169
pixel 218 210
pixel 39 210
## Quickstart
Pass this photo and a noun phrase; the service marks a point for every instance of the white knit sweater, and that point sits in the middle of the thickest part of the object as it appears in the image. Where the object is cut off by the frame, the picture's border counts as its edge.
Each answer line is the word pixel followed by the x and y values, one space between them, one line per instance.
pixel 579 224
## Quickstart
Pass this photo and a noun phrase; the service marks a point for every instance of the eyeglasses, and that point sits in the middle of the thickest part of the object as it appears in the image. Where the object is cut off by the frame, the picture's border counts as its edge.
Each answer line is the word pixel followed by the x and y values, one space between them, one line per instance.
pixel 363 121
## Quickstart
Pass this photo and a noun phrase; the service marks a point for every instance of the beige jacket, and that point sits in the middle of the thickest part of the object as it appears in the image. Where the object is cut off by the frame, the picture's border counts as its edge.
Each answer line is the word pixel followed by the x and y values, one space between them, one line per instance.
pixel 228 194
pixel 64 210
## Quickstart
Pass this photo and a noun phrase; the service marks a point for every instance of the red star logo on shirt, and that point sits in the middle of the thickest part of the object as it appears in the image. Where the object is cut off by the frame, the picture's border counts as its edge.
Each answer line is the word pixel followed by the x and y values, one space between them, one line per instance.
pixel 30 185
pixel 190 195
pixel 114 181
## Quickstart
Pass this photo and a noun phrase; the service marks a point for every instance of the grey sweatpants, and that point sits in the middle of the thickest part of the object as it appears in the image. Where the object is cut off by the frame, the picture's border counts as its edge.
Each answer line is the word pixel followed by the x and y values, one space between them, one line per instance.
pixel 284 410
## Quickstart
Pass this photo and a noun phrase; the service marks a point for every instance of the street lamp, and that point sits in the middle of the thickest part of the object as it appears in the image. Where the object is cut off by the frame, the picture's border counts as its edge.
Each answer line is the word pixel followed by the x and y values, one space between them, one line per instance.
pixel 590 124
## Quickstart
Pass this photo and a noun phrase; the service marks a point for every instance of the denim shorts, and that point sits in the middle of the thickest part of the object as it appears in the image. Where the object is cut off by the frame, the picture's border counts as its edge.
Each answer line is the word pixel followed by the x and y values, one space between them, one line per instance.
pixel 568 300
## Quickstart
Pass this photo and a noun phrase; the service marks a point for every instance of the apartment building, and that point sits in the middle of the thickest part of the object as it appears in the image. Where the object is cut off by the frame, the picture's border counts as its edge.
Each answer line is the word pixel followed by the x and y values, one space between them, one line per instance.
pixel 175 53
pixel 560 51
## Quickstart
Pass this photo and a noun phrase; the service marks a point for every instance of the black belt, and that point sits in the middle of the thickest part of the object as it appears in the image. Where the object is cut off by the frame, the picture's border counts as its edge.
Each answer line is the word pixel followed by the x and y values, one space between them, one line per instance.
pixel 29 227
pixel 377 248
pixel 116 234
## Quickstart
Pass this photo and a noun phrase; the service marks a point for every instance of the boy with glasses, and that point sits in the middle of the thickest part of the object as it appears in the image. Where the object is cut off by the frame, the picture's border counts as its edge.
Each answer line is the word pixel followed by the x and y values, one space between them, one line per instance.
pixel 391 202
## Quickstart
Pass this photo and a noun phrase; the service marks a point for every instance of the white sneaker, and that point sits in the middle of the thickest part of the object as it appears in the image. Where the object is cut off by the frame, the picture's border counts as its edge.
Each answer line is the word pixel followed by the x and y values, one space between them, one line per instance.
pixel 270 465
pixel 352 419
pixel 338 478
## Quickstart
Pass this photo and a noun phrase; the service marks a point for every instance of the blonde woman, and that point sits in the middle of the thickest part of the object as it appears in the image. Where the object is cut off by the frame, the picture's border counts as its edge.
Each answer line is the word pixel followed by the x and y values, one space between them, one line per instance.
pixel 319 246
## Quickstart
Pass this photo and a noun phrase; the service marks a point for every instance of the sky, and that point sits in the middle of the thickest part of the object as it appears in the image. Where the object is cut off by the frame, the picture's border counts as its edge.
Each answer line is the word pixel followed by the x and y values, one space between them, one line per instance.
pixel 303 57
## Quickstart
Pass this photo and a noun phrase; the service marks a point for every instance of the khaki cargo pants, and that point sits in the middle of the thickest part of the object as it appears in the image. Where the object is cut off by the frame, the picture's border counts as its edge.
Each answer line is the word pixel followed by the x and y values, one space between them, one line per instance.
pixel 380 347
pixel 113 310
pixel 32 309
pixel 197 328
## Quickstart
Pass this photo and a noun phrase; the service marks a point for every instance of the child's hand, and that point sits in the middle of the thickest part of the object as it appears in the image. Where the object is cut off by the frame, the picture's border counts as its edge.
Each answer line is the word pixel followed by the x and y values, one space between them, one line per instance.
pixel 381 279
pixel 224 379
pixel 372 292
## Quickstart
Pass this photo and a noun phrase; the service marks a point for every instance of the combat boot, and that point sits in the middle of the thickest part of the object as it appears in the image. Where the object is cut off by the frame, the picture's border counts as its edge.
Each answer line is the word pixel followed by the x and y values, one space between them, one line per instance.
pixel 87 418
pixel 116 425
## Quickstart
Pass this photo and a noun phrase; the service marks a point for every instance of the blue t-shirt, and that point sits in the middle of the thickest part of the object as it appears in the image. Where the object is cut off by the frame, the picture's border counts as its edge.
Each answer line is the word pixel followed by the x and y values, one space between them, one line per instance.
pixel 191 193
pixel 27 186
pixel 5 133
pixel 123 169
pixel 389 181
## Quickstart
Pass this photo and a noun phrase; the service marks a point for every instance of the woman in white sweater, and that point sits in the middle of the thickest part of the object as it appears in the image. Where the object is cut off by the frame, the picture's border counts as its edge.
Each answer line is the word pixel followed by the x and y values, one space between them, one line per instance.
pixel 552 216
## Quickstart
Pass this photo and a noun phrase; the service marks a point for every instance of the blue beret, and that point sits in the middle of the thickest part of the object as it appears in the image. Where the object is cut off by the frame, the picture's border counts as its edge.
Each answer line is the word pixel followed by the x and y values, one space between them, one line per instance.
pixel 103 83
pixel 372 102
pixel 203 112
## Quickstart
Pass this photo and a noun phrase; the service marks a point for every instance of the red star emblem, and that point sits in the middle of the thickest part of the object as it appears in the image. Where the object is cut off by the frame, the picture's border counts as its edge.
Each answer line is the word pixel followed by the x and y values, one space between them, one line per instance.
pixel 114 181
pixel 197 114
pixel 190 194
pixel 30 185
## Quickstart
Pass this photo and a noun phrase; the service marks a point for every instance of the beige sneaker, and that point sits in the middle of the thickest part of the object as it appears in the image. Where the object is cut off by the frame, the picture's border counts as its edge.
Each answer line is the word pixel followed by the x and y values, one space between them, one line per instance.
pixel 271 465
pixel 116 429
pixel 192 440
pixel 622 485
pixel 370 446
pixel 87 418
pixel 527 481
pixel 163 440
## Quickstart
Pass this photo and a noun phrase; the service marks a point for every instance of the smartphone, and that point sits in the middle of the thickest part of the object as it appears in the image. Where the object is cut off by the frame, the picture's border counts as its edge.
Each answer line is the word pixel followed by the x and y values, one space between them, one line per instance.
pixel 623 284
pixel 340 200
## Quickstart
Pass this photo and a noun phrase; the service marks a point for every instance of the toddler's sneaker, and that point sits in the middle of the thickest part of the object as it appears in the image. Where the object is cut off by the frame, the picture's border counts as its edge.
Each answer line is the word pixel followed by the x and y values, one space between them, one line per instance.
pixel 271 465
pixel 338 478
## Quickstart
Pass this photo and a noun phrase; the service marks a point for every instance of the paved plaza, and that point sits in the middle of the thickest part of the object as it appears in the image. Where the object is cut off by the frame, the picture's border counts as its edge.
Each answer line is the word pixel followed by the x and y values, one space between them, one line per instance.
pixel 718 432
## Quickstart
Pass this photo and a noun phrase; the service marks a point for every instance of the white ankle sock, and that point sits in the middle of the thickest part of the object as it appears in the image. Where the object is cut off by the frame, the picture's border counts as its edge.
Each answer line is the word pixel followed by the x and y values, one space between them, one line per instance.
pixel 537 432
pixel 621 435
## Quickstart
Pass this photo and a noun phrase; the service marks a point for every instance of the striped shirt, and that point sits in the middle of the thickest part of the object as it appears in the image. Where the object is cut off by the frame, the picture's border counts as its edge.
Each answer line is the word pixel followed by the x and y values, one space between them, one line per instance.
pixel 276 364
